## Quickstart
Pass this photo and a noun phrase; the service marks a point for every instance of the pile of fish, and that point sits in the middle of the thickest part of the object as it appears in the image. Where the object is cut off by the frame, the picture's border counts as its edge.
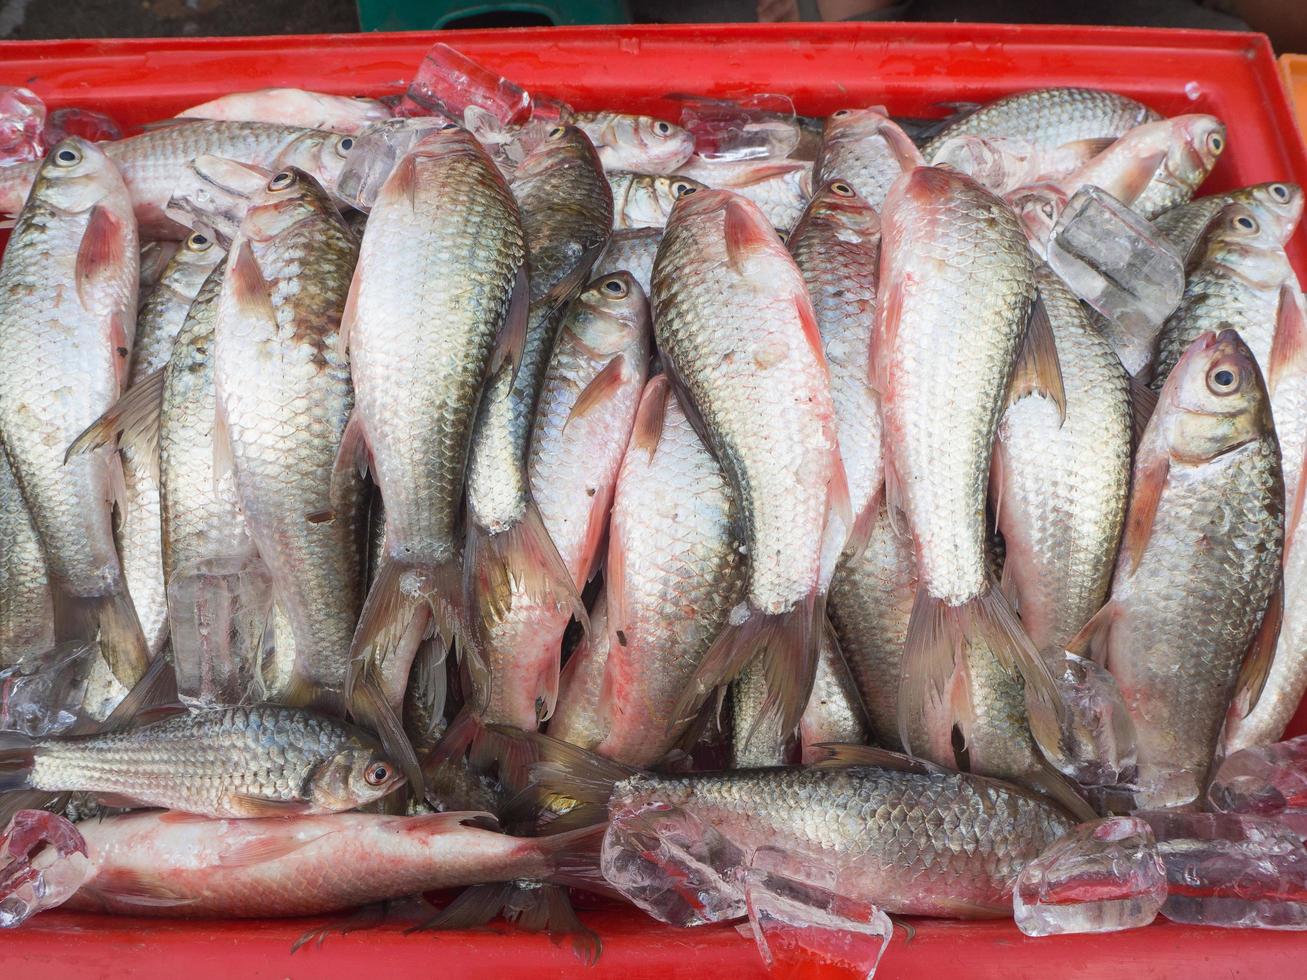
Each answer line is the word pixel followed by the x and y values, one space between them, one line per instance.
pixel 801 519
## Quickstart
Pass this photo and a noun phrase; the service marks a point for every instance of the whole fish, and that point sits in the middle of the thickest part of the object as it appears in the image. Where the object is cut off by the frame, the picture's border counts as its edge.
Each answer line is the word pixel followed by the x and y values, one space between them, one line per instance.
pixel 69 281
pixel 672 575
pixel 446 229
pixel 1199 561
pixel 258 761
pixel 1049 118
pixel 1060 485
pixel 632 251
pixel 834 712
pixel 645 200
pixel 567 217
pixel 153 162
pixel 284 397
pixel 854 148
pixel 917 840
pixel 156 864
pixel 735 326
pixel 945 345
pixel 640 144
pixel 313 110
pixel 26 616
pixel 1184 224
pixel 781 188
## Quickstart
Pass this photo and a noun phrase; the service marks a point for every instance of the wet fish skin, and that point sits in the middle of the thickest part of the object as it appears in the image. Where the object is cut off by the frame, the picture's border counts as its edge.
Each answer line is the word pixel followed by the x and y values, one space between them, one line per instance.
pixel 641 144
pixel 632 251
pixel 834 712
pixel 26 615
pixel 284 398
pixel 65 336
pixel 781 188
pixel 577 718
pixel 313 110
pixel 645 200
pixel 1276 203
pixel 854 149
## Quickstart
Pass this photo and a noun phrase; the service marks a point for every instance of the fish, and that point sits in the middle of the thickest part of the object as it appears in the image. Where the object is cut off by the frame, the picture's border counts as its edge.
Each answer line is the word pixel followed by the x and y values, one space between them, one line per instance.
pixel 577 717
pixel 834 712
pixel 916 839
pixel 152 163
pixel 1060 484
pixel 349 114
pixel 781 188
pixel 446 230
pixel 645 200
pixel 257 761
pixel 567 217
pixel 212 195
pixel 951 349
pixel 155 257
pixel 735 326
pixel 633 251
pixel 1049 118
pixel 1199 563
pixel 69 279
pixel 164 864
pixel 855 148
pixel 641 144
pixel 672 574
pixel 26 612
pixel 1183 225
pixel 284 398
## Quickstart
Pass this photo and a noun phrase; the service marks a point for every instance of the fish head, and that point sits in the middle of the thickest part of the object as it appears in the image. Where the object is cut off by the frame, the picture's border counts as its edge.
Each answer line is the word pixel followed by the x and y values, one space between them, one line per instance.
pixel 652 197
pixel 564 145
pixel 200 252
pixel 849 125
pixel 76 176
pixel 1278 206
pixel 611 316
pixel 319 153
pixel 291 196
pixel 358 774
pixel 1215 399
pixel 1240 239
pixel 657 145
pixel 1038 207
pixel 1197 141
pixel 837 205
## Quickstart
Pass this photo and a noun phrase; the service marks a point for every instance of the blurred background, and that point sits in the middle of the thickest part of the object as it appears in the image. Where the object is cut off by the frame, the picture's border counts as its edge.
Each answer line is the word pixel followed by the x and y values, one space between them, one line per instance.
pixel 1284 20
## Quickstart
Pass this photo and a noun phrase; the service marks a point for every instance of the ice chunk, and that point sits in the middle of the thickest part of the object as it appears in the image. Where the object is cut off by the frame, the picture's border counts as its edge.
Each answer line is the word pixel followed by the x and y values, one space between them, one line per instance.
pixel 448 82
pixel 755 128
pixel 42 864
pixel 1099 877
pixel 43 694
pixel 219 609
pixel 674 866
pixel 22 123
pixel 376 152
pixel 213 194
pixel 86 123
pixel 1267 780
pixel 1098 737
pixel 999 163
pixel 1114 260
pixel 804 925
pixel 1231 869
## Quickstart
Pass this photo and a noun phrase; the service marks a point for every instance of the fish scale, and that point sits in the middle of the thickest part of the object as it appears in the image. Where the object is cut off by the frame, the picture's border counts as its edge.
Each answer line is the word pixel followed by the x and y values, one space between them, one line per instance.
pixel 26 625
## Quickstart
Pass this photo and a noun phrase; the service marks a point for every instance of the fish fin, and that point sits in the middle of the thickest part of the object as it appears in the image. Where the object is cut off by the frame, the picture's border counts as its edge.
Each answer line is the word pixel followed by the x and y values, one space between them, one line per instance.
pixel 403 180
pixel 1087 149
pixel 571 772
pixel 103 250
pixel 354 455
pixel 837 755
pixel 262 848
pixel 113 619
pixel 156 713
pixel 1049 782
pixel 1143 400
pixel 487 748
pixel 839 501
pixel 929 653
pixel 1289 348
pixel 1008 641
pixel 600 389
pixel 510 341
pixel 249 287
pixel 472 908
pixel 1257 663
pixel 896 499
pixel 157 687
pixel 1137 175
pixel 889 310
pixel 745 231
pixel 811 330
pixel 760 175
pixel 452 820
pixel 1093 639
pixel 223 461
pixel 574 856
pixel 997 485
pixel 961 713
pixel 302 691
pixel 787 643
pixel 650 416
pixel 864 522
pixel 1294 517
pixel 369 707
pixel 1037 370
pixel 259 806
pixel 17 757
pixel 132 421
pixel 120 801
pixel 521 557
pixel 350 314
pixel 178 817
pixel 1145 495
pixel 128 887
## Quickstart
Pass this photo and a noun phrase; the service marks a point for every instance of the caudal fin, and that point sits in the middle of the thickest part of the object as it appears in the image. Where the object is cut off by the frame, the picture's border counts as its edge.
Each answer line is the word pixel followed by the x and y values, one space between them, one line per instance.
pixel 487 748
pixel 370 708
pixel 112 620
pixel 17 756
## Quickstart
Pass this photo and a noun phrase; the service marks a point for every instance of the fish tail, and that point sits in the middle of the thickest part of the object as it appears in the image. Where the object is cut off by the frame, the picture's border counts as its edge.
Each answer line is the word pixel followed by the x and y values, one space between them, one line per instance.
pixel 569 784
pixel 1051 783
pixel 112 618
pixel 370 708
pixel 787 644
pixel 17 757
pixel 487 748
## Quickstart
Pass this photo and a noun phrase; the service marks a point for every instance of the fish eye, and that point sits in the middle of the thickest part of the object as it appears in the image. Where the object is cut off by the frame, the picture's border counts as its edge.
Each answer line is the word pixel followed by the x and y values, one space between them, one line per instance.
pixel 377 774
pixel 345 145
pixel 1223 381
pixel 662 127
pixel 1279 192
pixel 1215 142
pixel 615 288
pixel 557 132
pixel 446 127
pixel 281 181
pixel 1245 222
pixel 199 242
pixel 840 113
pixel 68 156
pixel 842 189
pixel 680 188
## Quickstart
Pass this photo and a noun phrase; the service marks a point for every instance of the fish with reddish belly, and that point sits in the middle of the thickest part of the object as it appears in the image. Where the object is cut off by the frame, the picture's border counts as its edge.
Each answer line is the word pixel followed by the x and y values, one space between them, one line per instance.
pixel 743 348
pixel 313 110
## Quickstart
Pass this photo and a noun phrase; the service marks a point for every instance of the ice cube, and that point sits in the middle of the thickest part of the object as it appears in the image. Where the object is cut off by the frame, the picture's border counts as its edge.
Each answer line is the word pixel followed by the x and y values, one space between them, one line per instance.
pixel 758 127
pixel 803 925
pixel 42 864
pixel 1098 736
pixel 674 866
pixel 999 163
pixel 43 694
pixel 1114 261
pixel 219 609
pixel 1267 780
pixel 376 152
pixel 22 124
pixel 1101 876
pixel 86 123
pixel 448 82
pixel 213 194
pixel 1231 869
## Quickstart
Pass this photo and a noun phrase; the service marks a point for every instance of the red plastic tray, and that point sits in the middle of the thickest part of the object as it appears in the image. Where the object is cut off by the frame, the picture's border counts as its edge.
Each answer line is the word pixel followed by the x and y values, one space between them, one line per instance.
pixel 910 68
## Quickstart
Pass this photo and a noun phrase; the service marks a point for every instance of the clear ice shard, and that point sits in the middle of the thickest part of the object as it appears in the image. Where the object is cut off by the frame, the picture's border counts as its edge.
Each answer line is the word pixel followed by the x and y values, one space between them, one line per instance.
pixel 1113 260
pixel 43 694
pixel 1098 736
pixel 1000 164
pixel 376 152
pixel 448 82
pixel 42 864
pixel 86 123
pixel 808 924
pixel 1265 780
pixel 219 609
pixel 759 127
pixel 22 126
pixel 1231 869
pixel 1101 876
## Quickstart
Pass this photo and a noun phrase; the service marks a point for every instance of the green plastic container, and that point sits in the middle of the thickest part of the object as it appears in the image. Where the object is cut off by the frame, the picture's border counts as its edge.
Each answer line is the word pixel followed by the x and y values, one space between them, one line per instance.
pixel 423 15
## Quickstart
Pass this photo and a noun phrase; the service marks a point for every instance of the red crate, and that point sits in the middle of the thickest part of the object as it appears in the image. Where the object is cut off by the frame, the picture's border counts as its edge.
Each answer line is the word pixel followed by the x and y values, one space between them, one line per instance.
pixel 908 67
